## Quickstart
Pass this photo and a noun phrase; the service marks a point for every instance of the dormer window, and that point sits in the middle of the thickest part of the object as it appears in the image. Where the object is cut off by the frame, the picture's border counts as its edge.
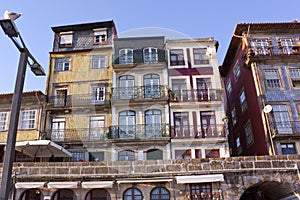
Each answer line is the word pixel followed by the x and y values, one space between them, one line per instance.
pixel 150 55
pixel 100 36
pixel 66 39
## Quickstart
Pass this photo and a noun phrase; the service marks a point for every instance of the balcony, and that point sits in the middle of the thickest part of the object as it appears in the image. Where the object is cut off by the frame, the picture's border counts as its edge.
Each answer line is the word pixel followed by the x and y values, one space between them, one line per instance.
pixel 192 132
pixel 196 95
pixel 283 129
pixel 139 131
pixel 82 100
pixel 137 93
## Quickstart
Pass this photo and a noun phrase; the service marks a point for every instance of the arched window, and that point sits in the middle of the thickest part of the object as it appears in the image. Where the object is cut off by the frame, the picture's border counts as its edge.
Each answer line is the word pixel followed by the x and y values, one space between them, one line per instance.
pixel 96 194
pixel 126 56
pixel 31 194
pixel 160 193
pixel 150 55
pixel 151 84
pixel 153 123
pixel 127 124
pixel 132 194
pixel 126 155
pixel 126 87
pixel 64 194
pixel 154 154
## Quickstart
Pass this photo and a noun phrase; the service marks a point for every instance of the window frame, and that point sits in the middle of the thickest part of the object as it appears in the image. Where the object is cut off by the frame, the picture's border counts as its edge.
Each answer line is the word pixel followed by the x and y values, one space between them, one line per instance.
pixel 243 101
pixel 99 38
pixel 288 148
pixel 178 61
pixel 160 193
pixel 270 81
pixel 66 36
pixel 236 71
pixel 203 59
pixel 99 61
pixel 228 87
pixel 151 55
pixel 296 79
pixel 28 119
pixel 65 63
pixel 126 57
pixel 3 121
pixel 129 155
pixel 249 137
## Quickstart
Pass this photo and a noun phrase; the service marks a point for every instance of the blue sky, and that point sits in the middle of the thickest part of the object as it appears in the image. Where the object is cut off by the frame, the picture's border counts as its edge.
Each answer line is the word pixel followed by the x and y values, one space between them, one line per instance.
pixel 191 18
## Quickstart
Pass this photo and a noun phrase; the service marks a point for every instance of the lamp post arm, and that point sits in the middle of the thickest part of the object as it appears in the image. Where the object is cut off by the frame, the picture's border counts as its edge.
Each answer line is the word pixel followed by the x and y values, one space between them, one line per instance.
pixel 13 127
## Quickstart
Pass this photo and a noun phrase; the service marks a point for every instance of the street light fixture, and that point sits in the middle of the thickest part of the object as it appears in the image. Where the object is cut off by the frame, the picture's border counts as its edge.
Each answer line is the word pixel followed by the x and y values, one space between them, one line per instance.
pixel 12 32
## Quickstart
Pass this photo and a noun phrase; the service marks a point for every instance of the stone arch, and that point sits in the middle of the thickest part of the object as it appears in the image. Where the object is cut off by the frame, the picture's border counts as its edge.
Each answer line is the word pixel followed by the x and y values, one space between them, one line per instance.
pixel 64 194
pixel 270 190
pixel 31 194
pixel 98 194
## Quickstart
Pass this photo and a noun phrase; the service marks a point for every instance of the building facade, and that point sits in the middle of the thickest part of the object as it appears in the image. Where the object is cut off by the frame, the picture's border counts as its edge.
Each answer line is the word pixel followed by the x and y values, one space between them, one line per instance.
pixel 196 99
pixel 261 73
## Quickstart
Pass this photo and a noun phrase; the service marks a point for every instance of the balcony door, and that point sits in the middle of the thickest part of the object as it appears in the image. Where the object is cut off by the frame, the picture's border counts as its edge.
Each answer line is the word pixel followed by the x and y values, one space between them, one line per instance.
pixel 58 129
pixel 153 123
pixel 282 119
pixel 96 131
pixel 203 87
pixel 208 123
pixel 61 97
pixel 151 86
pixel 127 124
pixel 126 87
pixel 181 122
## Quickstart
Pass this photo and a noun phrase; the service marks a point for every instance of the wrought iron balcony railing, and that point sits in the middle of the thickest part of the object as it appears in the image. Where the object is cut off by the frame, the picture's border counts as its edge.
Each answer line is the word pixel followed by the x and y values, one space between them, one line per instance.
pixel 190 131
pixel 140 92
pixel 288 127
pixel 139 131
pixel 77 100
pixel 104 133
pixel 273 50
pixel 196 95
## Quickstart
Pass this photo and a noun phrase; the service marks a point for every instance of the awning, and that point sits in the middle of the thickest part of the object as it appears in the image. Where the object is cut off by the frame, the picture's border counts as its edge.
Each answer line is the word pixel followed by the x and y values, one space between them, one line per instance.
pixel 97 184
pixel 144 180
pixel 62 185
pixel 42 148
pixel 199 178
pixel 29 185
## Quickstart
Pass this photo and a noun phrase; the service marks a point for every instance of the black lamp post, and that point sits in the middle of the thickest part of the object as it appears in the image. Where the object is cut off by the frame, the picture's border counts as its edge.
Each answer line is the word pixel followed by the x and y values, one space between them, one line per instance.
pixel 11 31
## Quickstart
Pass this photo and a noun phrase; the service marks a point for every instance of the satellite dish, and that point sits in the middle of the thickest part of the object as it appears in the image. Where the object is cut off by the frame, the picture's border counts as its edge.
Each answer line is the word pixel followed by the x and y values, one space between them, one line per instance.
pixel 267 109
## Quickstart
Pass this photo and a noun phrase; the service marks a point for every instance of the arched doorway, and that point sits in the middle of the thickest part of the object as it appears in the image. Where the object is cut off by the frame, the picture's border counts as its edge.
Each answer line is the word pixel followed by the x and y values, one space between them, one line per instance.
pixel 31 194
pixel 270 190
pixel 98 194
pixel 64 194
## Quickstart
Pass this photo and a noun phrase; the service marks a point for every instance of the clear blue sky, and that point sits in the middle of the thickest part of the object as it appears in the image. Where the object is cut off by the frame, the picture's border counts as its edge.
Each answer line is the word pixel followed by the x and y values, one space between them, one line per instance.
pixel 194 18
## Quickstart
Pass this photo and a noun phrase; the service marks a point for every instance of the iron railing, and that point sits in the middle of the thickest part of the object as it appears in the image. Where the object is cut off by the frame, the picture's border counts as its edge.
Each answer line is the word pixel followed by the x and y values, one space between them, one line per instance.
pixel 190 131
pixel 77 100
pixel 288 127
pixel 196 95
pixel 273 50
pixel 140 92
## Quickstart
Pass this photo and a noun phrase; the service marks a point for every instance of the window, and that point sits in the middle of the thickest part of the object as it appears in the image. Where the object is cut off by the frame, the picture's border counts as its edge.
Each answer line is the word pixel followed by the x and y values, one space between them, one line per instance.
pixel 153 123
pixel 203 89
pixel 58 129
pixel 181 123
pixel 272 78
pixel 126 87
pixel 176 57
pixel 212 153
pixel 183 154
pixel 249 133
pixel 132 194
pixel 63 64
pixel 236 71
pixel 66 39
pixel 261 46
pixel 100 36
pixel 77 155
pixel 179 91
pixel 97 194
pixel 96 128
pixel 3 121
pixel 239 148
pixel 27 119
pixel 96 156
pixel 233 116
pixel 151 86
pixel 208 124
pixel 125 56
pixel 127 124
pixel 200 57
pixel 295 77
pixel 159 194
pixel 200 191
pixel 286 45
pixel 288 148
pixel 282 119
pixel 178 84
pixel 154 154
pixel 150 55
pixel 228 87
pixel 98 94
pixel 99 61
pixel 243 101
pixel 126 155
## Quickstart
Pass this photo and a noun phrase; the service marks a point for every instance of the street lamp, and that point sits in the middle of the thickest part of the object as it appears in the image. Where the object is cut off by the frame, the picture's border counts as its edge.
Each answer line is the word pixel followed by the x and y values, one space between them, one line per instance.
pixel 12 32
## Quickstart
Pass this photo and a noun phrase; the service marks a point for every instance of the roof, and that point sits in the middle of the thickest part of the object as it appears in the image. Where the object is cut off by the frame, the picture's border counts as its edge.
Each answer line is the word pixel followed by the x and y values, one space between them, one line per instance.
pixel 29 93
pixel 83 26
pixel 254 28
pixel 140 38
pixel 202 40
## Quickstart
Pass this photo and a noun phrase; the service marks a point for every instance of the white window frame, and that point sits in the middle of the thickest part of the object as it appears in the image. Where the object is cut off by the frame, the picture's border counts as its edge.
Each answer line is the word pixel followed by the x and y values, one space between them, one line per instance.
pixel 100 36
pixel 150 57
pixel 66 39
pixel 272 77
pixel 97 132
pixel 27 119
pixel 99 61
pixel 202 58
pixel 63 64
pixel 58 134
pixel 96 94
pixel 3 121
pixel 125 56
